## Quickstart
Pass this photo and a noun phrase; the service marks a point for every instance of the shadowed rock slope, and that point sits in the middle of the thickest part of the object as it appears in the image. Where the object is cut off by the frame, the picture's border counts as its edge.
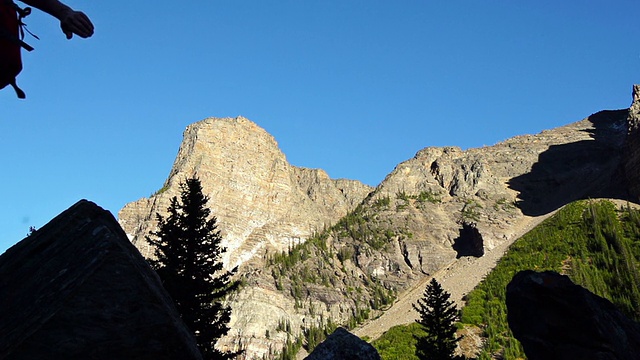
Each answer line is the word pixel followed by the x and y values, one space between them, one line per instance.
pixel 78 289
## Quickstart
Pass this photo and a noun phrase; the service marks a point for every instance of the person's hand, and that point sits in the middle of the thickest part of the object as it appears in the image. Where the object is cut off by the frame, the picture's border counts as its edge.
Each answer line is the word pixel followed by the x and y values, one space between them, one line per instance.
pixel 76 22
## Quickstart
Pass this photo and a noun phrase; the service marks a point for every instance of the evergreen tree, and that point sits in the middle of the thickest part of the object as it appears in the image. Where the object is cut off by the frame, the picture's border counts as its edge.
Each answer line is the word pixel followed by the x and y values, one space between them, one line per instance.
pixel 438 316
pixel 187 260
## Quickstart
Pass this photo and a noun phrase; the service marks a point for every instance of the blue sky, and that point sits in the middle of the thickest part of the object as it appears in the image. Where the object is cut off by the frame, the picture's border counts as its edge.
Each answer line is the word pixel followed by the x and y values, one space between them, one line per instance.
pixel 352 87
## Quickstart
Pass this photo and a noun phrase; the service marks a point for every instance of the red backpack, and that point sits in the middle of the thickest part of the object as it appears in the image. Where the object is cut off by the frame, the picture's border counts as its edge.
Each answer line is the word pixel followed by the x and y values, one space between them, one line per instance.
pixel 11 35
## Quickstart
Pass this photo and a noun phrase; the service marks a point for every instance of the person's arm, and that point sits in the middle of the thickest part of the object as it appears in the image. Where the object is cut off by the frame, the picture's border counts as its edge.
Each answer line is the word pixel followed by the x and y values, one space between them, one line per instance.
pixel 71 21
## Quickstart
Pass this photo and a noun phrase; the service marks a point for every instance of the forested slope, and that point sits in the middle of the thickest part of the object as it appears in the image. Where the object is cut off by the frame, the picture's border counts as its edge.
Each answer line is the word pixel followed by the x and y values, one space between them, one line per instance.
pixel 596 244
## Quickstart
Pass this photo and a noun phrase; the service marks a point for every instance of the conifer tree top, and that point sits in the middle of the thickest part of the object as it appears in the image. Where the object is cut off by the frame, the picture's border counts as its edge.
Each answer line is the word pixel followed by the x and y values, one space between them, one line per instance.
pixel 188 260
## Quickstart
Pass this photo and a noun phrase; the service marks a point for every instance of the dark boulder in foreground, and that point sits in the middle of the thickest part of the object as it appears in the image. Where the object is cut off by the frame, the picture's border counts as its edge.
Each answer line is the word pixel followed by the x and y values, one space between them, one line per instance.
pixel 342 344
pixel 555 319
pixel 78 289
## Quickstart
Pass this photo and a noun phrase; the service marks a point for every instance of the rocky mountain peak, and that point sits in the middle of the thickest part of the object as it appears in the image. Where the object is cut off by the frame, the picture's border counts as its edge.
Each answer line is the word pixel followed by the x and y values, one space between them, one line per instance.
pixel 223 140
pixel 261 201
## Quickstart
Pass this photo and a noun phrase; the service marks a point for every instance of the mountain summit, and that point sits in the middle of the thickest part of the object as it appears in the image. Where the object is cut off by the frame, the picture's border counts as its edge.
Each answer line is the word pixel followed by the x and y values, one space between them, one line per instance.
pixel 261 201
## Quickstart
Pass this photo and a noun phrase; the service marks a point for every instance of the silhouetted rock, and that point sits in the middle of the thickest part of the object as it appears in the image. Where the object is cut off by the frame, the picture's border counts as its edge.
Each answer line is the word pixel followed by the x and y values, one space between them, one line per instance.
pixel 555 319
pixel 78 289
pixel 342 344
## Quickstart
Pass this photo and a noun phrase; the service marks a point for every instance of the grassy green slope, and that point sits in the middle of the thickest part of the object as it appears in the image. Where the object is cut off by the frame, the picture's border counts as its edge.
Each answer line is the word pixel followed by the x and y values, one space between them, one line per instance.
pixel 595 244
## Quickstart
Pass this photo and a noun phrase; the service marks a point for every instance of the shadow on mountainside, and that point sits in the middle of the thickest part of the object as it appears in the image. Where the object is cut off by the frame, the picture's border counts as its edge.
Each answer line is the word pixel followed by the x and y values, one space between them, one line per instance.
pixel 579 170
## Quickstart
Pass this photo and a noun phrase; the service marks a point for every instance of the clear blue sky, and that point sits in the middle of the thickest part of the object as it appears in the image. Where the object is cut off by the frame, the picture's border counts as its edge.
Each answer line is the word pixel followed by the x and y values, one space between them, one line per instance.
pixel 352 87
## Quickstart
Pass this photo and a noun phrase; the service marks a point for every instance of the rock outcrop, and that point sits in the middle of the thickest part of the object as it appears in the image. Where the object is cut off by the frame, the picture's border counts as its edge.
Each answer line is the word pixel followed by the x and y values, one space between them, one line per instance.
pixel 555 319
pixel 342 344
pixel 78 289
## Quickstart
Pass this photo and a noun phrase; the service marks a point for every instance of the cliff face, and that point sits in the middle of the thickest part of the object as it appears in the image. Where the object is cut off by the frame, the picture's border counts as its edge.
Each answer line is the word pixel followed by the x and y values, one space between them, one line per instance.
pixel 408 227
pixel 261 201
pixel 495 187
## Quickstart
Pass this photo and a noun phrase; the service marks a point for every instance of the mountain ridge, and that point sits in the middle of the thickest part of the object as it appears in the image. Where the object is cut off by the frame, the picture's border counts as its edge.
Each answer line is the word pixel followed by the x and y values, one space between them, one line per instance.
pixel 392 236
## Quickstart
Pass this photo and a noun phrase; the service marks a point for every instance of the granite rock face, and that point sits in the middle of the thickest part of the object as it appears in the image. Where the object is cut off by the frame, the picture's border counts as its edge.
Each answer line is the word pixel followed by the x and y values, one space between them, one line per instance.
pixel 555 319
pixel 78 289
pixel 342 344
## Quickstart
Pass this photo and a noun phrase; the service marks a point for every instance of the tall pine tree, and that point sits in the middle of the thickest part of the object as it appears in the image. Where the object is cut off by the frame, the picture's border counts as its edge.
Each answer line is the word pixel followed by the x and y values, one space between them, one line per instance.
pixel 188 260
pixel 438 316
